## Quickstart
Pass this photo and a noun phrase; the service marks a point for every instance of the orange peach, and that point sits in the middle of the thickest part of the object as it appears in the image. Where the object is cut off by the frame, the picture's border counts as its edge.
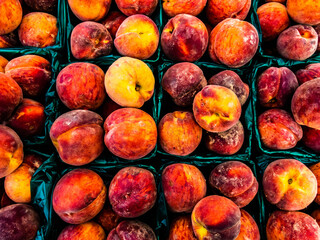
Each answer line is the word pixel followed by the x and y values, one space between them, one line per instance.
pixel 179 133
pixel 108 219
pixel 315 169
pixel 175 7
pixel 3 63
pixel 132 192
pixel 316 215
pixel 38 29
pixel 81 86
pixel 129 8
pixel 292 225
pixel 310 72
pixel 311 139
pixel 216 108
pixel 181 229
pixel 9 40
pixel 233 42
pixel 113 21
pixel 249 228
pixel 289 184
pixel 90 10
pixel 42 5
pixel 304 12
pixel 84 231
pixel 137 37
pixel 79 196
pixel 78 136
pixel 11 15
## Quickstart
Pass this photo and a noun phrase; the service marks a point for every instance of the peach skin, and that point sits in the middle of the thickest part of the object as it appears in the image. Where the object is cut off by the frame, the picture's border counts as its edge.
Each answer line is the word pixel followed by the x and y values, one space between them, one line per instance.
pixel 175 7
pixel 3 63
pixel 249 228
pixel 11 15
pixel 304 11
pixel 315 169
pixel 181 229
pixel 84 231
pixel 90 10
pixel 129 7
pixel 310 72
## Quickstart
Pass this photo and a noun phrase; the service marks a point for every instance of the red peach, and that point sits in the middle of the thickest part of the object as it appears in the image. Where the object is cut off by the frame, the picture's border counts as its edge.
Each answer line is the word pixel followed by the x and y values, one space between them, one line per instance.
pixel 310 72
pixel 84 231
pixel 108 219
pixel 181 229
pixel 316 215
pixel 113 21
pixel 129 8
pixel 317 28
pixel 249 228
pixel 315 169
pixel 311 139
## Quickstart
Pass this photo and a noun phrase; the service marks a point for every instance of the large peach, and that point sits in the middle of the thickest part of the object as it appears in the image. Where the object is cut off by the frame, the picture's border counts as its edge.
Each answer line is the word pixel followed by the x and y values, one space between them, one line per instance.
pixel 311 139
pixel 11 151
pixel 175 7
pixel 278 130
pixel 216 217
pixel 310 72
pixel 181 229
pixel 216 108
pixel 188 189
pixel 179 133
pixel 38 29
pixel 84 231
pixel 9 40
pixel 182 81
pixel 90 10
pixel 184 38
pixel 79 196
pixel 11 15
pixel 305 104
pixel 132 192
pixel 249 228
pixel 107 218
pixel 315 169
pixel 42 5
pixel 78 136
pixel 129 7
pixel 31 72
pixel 137 37
pixel 81 86
pixel 289 184
pixel 304 12
pixel 233 42
pixel 113 21
pixel 129 82
pixel 3 63
pixel 90 40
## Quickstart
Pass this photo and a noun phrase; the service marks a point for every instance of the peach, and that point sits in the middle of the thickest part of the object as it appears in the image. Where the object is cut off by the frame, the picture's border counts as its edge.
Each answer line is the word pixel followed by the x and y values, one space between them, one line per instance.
pixel 317 28
pixel 11 151
pixel 9 40
pixel 90 40
pixel 292 225
pixel 78 136
pixel 28 119
pixel 273 18
pixel 38 29
pixel 90 10
pixel 113 21
pixel 31 72
pixel 311 139
pixel 278 130
pixel 304 12
pixel 298 42
pixel 132 192
pixel 310 72
pixel 10 96
pixel 231 80
pixel 130 230
pixel 79 196
pixel 175 7
pixel 276 87
pixel 289 184
pixel 249 228
pixel 184 38
pixel 179 133
pixel 137 37
pixel 181 229
pixel 188 189
pixel 182 81
pixel 33 160
pixel 218 11
pixel 81 86
pixel 129 8
pixel 3 63
pixel 305 104
pixel 11 15
pixel 225 143
pixel 233 42
pixel 216 108
pixel 19 221
pixel 129 82
pixel 216 217
pixel 315 169
pixel 234 180
pixel 108 219
pixel 42 5
pixel 316 215
pixel 88 230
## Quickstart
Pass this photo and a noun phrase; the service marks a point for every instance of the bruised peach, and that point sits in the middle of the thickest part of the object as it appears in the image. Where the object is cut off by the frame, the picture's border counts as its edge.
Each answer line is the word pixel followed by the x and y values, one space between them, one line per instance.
pixel 273 18
pixel 3 63
pixel 276 87
pixel 216 217
pixel 129 8
pixel 216 108
pixel 315 169
pixel 81 86
pixel 316 215
pixel 31 72
pixel 137 37
pixel 79 196
pixel 304 12
pixel 298 42
pixel 90 10
pixel 113 21
pixel 225 143
pixel 233 42
pixel 38 29
pixel 305 104
pixel 175 7
pixel 132 192
pixel 292 225
pixel 179 133
pixel 130 133
pixel 278 130
pixel 183 186
pixel 249 228
pixel 78 136
pixel 182 81
pixel 289 184
pixel 9 40
pixel 88 230
pixel 108 219
pixel 231 80
pixel 11 15
pixel 311 139
pixel 310 72
pixel 181 229
pixel 42 5
pixel 184 38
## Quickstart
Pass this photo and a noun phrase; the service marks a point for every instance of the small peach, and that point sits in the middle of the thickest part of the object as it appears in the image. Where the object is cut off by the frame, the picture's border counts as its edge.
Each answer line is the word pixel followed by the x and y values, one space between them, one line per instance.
pixel 129 7
pixel 90 10
pixel 113 21
pixel 310 72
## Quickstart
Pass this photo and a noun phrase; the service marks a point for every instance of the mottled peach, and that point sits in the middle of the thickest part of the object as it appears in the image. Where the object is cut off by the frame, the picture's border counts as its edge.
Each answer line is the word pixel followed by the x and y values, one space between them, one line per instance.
pixel 181 229
pixel 108 219
pixel 113 21
pixel 129 7
pixel 84 231
pixel 310 72
pixel 11 15
pixel 90 10
pixel 175 7
pixel 249 228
